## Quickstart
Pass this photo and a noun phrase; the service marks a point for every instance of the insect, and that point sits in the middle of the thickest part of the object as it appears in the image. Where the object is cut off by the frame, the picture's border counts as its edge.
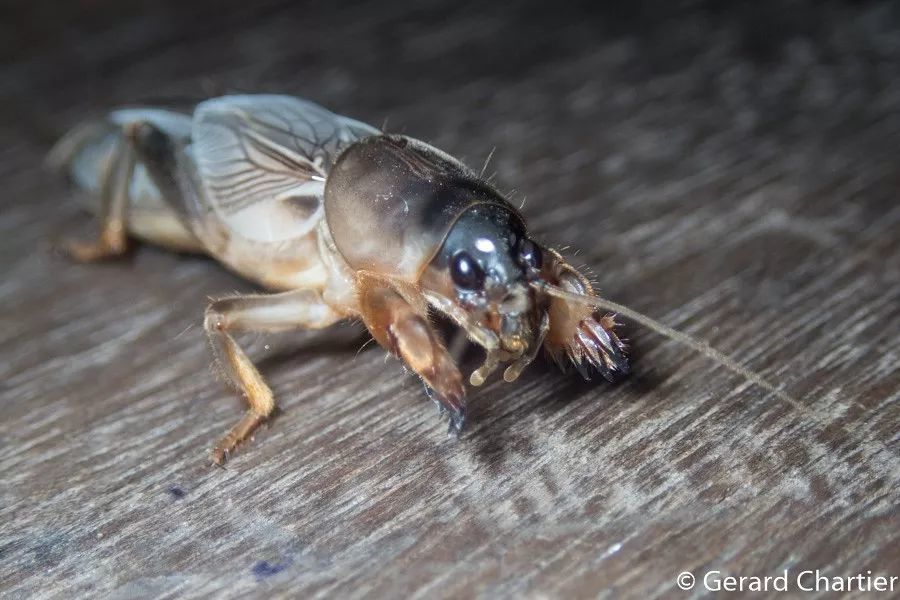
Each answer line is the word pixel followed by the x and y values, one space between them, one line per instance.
pixel 340 220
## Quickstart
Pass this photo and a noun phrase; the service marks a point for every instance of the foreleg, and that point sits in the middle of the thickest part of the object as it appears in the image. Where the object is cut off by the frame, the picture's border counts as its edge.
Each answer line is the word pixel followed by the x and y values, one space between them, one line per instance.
pixel 398 322
pixel 576 331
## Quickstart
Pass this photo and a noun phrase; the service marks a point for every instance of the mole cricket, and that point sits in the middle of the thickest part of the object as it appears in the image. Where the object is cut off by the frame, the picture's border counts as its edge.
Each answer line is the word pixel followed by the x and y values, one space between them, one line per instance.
pixel 342 221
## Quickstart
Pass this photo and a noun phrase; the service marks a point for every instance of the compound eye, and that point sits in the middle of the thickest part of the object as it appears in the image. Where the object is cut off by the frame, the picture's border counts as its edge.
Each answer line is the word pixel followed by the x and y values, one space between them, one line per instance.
pixel 465 272
pixel 530 254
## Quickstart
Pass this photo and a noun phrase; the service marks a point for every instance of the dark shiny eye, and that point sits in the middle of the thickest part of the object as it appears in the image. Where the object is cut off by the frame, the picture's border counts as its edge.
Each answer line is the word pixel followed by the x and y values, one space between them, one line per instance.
pixel 465 272
pixel 530 254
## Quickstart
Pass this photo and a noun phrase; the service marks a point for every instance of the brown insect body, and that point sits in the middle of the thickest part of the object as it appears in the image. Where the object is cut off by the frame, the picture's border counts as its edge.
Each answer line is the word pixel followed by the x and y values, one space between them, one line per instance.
pixel 352 223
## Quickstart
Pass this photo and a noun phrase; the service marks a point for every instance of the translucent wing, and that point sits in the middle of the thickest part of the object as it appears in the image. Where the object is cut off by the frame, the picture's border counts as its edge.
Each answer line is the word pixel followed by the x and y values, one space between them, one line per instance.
pixel 263 161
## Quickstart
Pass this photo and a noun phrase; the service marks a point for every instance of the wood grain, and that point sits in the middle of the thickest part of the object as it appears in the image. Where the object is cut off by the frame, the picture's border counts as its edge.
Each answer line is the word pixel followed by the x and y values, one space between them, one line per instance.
pixel 734 174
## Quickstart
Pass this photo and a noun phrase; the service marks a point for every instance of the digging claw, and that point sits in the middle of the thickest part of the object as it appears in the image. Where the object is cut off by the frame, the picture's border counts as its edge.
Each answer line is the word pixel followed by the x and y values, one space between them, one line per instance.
pixel 597 349
pixel 457 422
pixel 450 405
pixel 583 370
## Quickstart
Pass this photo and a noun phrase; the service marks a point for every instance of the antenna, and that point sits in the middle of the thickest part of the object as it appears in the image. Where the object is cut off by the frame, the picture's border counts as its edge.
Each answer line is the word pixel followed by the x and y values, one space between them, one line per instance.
pixel 673 334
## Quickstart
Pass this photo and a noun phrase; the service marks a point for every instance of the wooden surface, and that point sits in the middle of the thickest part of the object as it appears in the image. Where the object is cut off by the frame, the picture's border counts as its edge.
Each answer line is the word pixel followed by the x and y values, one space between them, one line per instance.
pixel 734 174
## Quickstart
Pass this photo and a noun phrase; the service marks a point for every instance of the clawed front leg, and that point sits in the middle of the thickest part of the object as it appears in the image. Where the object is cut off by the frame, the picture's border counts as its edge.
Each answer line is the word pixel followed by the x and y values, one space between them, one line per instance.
pixel 399 323
pixel 576 332
pixel 268 313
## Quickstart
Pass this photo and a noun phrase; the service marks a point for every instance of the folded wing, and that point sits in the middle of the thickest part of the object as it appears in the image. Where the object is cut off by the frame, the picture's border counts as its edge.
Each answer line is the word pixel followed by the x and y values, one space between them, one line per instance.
pixel 263 160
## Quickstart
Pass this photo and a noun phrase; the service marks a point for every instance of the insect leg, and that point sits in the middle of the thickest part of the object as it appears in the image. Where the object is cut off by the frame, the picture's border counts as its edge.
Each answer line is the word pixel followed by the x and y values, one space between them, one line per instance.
pixel 112 241
pixel 172 169
pixel 402 327
pixel 268 313
pixel 575 331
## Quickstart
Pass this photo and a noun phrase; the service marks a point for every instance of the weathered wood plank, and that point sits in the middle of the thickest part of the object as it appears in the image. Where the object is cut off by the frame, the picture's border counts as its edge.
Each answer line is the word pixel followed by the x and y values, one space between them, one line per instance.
pixel 733 173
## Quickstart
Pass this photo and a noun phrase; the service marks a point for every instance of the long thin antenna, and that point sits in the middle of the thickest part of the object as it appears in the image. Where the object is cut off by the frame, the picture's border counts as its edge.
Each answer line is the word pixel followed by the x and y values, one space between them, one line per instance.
pixel 695 344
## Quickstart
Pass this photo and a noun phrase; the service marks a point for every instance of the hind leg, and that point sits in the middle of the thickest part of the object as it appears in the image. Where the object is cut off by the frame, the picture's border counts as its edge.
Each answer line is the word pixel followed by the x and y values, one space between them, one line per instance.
pixel 137 183
pixel 112 239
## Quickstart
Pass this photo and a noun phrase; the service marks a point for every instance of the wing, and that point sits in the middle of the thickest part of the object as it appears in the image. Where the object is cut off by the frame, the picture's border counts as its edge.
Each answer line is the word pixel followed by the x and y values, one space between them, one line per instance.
pixel 263 161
